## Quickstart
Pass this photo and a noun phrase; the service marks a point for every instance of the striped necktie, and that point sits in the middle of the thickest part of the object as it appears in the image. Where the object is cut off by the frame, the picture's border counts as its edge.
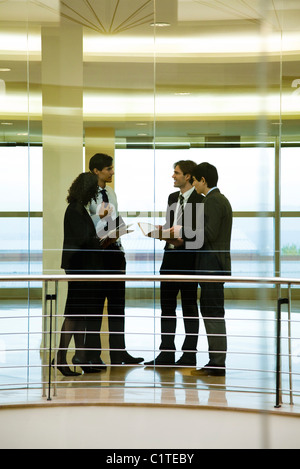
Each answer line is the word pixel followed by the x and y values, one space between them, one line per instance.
pixel 180 210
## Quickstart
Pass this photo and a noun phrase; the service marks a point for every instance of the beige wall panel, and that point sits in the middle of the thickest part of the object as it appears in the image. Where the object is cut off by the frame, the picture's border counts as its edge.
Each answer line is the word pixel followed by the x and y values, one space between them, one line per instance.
pixel 99 140
pixel 62 79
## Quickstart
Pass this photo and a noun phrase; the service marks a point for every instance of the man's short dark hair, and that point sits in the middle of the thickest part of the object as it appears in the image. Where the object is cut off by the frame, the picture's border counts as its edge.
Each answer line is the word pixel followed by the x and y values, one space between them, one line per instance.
pixel 208 171
pixel 100 161
pixel 187 167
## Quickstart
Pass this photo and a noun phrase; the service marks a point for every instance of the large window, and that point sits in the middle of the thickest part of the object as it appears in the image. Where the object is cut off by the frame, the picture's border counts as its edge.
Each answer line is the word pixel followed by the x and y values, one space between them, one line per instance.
pixel 245 174
pixel 21 206
pixel 21 179
pixel 290 167
pixel 143 181
pixel 246 177
pixel 290 221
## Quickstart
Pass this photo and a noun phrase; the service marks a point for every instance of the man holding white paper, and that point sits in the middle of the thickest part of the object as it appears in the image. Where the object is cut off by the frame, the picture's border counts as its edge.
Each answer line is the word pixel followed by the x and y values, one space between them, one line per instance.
pixel 104 213
pixel 179 258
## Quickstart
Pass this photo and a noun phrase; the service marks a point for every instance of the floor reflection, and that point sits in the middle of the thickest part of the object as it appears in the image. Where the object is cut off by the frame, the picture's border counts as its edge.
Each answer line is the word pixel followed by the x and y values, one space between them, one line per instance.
pixel 163 385
pixel 160 385
pixel 249 382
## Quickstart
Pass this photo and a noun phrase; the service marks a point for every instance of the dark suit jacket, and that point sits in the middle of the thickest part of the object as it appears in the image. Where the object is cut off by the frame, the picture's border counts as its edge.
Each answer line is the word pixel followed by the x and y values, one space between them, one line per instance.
pixel 214 257
pixel 81 248
pixel 178 260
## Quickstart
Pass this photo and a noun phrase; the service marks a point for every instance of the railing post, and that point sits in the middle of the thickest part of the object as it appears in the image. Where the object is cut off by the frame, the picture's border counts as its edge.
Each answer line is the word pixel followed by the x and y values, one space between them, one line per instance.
pixel 55 338
pixel 280 301
pixel 290 345
pixel 51 298
pixel 44 340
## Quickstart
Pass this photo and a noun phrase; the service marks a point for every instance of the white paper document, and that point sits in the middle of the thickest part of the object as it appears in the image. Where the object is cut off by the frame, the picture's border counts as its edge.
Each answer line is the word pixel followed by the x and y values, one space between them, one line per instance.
pixel 150 230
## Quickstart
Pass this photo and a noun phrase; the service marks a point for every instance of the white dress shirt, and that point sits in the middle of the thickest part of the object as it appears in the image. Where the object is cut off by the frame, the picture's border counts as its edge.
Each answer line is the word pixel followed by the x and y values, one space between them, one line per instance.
pixel 94 208
pixel 186 196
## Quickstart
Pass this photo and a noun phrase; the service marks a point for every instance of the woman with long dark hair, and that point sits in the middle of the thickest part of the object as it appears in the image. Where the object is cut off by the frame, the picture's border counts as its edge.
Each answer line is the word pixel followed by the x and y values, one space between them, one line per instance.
pixel 81 255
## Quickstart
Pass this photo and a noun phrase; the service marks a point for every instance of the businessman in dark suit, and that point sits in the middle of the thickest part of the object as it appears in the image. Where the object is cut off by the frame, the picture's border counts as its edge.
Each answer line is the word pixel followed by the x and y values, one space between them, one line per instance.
pixel 213 259
pixel 178 259
pixel 114 262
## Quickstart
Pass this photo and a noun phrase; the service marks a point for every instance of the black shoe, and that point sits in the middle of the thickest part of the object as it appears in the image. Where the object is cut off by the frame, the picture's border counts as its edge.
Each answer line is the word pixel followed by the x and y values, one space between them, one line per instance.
pixel 164 358
pixel 210 370
pixel 89 366
pixel 124 358
pixel 187 359
pixel 64 369
pixel 91 369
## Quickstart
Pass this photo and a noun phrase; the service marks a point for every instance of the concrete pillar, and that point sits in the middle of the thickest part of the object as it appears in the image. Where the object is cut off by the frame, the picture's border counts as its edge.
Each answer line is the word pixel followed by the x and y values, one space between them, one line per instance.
pixel 62 84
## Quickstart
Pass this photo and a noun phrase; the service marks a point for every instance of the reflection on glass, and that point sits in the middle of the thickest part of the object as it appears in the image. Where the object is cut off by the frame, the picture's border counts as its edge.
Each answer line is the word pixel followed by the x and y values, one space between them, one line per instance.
pixel 290 167
pixel 240 176
pixel 247 258
pixel 290 247
pixel 20 248
pixel 153 82
pixel 21 182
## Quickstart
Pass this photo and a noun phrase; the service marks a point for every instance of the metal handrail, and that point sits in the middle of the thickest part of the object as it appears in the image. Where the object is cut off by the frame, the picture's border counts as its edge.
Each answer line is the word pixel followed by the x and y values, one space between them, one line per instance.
pixel 174 278
pixel 150 278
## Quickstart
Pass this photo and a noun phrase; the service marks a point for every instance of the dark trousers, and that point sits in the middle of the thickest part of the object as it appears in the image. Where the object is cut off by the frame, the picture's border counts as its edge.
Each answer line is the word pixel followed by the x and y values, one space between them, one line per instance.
pixel 213 313
pixel 114 292
pixel 168 297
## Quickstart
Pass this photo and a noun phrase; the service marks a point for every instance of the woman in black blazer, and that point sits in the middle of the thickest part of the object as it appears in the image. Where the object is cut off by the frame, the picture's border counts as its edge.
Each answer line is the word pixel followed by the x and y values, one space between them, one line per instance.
pixel 81 255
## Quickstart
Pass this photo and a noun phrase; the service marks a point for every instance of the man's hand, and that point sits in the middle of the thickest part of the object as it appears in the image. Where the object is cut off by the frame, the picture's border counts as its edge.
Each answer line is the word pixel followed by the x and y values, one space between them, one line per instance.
pixel 172 233
pixel 172 236
pixel 104 210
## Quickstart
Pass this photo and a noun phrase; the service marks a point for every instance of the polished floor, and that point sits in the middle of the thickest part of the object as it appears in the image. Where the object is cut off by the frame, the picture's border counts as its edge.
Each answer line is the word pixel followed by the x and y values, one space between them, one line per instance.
pixel 250 380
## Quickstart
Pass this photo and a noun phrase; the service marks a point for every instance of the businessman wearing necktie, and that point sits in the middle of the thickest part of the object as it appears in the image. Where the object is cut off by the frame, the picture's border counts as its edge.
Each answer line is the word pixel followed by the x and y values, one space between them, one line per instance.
pixel 178 259
pixel 103 212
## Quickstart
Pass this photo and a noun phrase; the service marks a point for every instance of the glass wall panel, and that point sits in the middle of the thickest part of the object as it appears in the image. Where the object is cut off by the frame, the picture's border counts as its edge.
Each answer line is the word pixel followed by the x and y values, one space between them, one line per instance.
pixel 290 167
pixel 289 135
pixel 119 106
pixel 247 258
pixel 25 188
pixel 21 201
pixel 150 83
pixel 217 94
pixel 239 168
pixel 21 208
pixel 290 248
pixel 240 175
pixel 20 164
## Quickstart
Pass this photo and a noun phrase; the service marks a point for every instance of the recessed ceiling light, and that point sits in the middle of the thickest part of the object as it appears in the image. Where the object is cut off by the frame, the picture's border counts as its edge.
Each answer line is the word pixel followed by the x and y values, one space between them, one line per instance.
pixel 141 123
pixel 5 69
pixel 6 123
pixel 142 135
pixel 160 24
pixel 182 93
pixel 23 133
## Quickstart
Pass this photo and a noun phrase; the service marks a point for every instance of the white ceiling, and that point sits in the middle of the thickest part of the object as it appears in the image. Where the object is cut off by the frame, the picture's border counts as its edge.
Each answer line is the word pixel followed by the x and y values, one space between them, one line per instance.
pixel 185 58
pixel 114 15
